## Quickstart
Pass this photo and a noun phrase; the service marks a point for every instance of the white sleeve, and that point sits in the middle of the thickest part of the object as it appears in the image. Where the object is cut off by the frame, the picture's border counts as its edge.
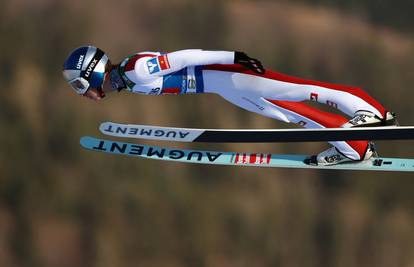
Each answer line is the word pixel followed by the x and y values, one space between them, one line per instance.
pixel 174 61
pixel 196 57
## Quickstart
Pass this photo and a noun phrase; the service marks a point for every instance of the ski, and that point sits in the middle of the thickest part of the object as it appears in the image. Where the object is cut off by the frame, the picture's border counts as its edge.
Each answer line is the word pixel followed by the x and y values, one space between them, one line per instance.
pixel 256 135
pixel 236 158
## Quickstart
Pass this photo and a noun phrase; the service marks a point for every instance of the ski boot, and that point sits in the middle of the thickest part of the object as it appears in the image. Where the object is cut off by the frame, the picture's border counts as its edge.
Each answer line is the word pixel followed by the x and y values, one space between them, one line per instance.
pixel 364 118
pixel 332 156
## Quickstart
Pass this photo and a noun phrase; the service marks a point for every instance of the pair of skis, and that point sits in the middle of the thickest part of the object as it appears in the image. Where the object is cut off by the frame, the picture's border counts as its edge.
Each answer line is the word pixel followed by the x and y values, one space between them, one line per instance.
pixel 251 136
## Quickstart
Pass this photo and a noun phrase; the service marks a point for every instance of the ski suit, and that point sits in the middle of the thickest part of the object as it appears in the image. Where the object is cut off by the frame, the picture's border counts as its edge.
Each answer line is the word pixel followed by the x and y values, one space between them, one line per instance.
pixel 270 94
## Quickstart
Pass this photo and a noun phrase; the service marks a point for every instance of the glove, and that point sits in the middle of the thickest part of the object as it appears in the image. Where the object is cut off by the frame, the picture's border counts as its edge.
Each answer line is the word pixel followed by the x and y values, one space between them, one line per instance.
pixel 248 62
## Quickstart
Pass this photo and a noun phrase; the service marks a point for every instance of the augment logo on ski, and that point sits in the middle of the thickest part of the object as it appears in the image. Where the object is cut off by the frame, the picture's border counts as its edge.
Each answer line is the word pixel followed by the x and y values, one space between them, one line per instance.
pixel 155 152
pixel 135 131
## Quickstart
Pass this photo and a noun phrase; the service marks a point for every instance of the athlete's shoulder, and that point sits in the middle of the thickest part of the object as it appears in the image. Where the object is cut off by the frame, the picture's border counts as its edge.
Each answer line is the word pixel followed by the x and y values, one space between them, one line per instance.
pixel 149 53
pixel 129 63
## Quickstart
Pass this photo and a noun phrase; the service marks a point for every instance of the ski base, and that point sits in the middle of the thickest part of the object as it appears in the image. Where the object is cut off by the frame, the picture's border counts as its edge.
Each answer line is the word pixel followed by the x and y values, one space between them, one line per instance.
pixel 237 158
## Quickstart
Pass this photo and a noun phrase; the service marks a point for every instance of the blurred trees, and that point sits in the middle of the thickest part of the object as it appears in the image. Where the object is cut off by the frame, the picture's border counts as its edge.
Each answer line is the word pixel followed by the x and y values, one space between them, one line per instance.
pixel 62 206
pixel 395 14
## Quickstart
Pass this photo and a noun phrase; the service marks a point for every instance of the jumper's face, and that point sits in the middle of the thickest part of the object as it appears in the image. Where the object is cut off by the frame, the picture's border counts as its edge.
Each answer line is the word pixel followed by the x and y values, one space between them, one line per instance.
pixel 93 94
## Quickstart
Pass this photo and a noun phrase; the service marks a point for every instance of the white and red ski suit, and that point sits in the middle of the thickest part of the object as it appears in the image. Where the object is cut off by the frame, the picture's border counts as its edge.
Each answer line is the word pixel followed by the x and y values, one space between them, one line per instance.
pixel 271 94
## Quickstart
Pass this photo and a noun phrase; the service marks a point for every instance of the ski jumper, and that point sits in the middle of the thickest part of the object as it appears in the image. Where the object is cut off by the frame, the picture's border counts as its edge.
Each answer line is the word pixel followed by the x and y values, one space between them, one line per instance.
pixel 270 94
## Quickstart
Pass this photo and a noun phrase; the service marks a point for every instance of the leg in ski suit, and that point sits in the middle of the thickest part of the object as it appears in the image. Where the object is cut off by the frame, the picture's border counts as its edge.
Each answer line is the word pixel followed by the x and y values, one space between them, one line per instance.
pixel 279 96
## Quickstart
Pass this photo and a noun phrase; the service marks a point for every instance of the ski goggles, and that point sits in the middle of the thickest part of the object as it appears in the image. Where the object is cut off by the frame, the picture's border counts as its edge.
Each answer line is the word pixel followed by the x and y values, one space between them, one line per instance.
pixel 79 85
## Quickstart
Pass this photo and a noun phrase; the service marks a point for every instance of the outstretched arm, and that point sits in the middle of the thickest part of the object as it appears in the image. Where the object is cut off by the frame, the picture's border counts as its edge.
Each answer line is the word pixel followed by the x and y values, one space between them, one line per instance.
pixel 174 61
pixel 195 57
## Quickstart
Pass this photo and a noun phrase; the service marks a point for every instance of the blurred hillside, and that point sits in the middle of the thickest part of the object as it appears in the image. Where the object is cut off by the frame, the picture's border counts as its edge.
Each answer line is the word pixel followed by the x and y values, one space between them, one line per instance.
pixel 63 206
pixel 395 14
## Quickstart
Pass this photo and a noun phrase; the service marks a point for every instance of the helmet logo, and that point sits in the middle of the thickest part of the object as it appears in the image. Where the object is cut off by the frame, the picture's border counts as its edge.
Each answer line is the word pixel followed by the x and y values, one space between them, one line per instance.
pixel 90 68
pixel 79 65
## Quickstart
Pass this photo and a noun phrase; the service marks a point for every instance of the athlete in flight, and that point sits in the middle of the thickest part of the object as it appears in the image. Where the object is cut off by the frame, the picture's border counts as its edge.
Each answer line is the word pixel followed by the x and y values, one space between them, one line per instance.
pixel 239 79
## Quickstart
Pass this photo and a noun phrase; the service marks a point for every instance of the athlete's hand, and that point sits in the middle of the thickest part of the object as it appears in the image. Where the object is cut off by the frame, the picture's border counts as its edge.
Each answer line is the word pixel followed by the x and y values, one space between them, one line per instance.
pixel 248 62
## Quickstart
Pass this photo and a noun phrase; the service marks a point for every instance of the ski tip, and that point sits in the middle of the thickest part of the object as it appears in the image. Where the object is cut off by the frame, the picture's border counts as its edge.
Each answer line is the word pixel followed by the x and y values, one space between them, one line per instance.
pixel 85 139
pixel 104 123
pixel 104 126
